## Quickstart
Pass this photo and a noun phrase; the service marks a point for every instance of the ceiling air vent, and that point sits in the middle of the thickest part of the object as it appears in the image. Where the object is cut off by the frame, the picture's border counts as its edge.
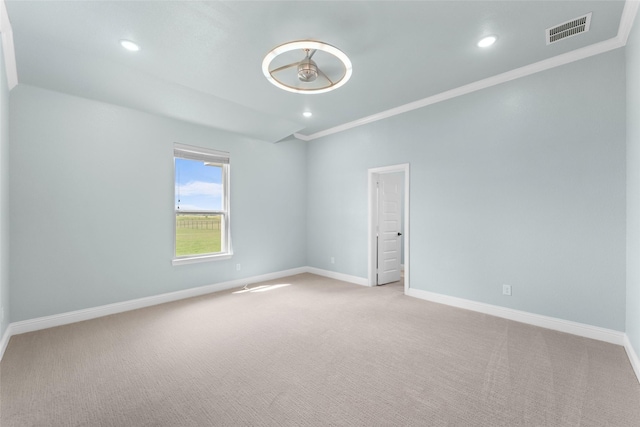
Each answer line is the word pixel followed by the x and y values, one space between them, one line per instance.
pixel 569 29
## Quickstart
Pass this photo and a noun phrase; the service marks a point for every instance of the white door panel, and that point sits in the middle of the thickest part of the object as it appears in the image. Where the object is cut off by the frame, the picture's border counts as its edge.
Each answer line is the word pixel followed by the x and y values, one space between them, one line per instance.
pixel 389 226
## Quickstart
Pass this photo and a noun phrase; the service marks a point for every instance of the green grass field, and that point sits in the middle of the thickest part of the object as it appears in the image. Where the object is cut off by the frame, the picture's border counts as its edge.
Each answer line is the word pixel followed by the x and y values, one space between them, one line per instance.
pixel 197 234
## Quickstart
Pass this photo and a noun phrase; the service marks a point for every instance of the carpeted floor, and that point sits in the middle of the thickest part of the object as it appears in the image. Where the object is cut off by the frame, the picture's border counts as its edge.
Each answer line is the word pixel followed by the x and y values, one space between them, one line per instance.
pixel 314 352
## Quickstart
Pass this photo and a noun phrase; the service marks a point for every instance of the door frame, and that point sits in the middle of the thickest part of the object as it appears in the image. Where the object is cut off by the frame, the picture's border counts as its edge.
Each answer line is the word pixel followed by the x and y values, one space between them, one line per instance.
pixel 372 221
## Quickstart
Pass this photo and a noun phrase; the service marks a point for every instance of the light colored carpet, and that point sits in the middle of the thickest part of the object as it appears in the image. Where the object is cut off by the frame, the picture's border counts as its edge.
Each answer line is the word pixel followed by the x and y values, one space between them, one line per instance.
pixel 315 352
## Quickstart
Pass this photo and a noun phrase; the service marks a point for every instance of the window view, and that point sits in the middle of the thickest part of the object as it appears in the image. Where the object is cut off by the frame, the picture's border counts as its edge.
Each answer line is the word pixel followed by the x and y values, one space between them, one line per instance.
pixel 201 203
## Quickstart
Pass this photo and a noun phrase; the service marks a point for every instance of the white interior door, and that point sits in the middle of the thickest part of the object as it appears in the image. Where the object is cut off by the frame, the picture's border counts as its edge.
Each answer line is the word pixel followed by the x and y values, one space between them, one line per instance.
pixel 389 227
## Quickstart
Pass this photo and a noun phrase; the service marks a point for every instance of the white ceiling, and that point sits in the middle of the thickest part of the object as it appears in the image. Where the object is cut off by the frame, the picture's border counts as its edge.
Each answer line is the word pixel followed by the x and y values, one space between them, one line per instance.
pixel 201 61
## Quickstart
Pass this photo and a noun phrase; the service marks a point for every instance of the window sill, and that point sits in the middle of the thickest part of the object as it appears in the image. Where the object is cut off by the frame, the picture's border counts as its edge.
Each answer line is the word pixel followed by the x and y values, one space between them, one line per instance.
pixel 201 258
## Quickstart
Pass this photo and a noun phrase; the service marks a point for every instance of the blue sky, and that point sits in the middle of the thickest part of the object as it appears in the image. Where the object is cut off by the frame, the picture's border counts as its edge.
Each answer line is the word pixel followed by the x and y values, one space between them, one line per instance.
pixel 198 186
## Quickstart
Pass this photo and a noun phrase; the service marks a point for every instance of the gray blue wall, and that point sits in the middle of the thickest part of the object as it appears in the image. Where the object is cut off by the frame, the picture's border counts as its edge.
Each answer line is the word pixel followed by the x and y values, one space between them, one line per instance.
pixel 633 187
pixel 522 183
pixel 92 204
pixel 4 195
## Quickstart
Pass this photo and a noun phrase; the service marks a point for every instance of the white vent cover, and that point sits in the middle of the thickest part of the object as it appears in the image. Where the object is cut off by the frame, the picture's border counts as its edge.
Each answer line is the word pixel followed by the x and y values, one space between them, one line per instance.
pixel 568 29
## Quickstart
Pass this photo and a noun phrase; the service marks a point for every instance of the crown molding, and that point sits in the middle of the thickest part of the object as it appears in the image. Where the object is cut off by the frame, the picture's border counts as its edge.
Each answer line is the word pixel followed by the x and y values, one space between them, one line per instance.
pixel 7 47
pixel 302 137
pixel 626 24
pixel 629 14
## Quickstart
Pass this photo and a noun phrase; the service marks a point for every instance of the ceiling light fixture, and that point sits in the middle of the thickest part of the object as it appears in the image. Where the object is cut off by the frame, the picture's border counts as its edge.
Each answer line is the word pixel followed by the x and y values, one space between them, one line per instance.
pixel 487 41
pixel 307 114
pixel 307 69
pixel 129 45
pixel 296 73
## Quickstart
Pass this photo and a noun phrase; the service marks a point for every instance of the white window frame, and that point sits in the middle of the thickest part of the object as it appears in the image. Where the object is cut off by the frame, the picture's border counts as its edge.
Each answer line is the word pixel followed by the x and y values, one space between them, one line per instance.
pixel 219 158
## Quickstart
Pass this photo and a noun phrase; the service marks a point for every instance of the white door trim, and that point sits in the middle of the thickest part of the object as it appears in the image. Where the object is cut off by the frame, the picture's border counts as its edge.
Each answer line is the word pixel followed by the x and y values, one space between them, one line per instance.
pixel 373 209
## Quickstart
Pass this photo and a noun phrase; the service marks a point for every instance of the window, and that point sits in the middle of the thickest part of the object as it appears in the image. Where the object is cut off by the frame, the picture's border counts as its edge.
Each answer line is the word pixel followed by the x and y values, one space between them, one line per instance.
pixel 202 231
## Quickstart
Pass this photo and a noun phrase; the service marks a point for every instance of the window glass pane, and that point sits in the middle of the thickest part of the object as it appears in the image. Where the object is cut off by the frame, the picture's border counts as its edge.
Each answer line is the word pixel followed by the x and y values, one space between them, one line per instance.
pixel 198 234
pixel 198 186
pixel 199 198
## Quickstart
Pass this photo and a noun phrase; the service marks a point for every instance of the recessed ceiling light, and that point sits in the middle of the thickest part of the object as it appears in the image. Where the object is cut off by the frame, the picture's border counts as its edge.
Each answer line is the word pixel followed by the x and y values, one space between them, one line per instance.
pixel 307 114
pixel 487 41
pixel 129 45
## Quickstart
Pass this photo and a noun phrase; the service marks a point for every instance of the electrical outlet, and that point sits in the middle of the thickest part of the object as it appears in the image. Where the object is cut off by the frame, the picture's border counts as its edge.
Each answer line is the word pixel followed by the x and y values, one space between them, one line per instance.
pixel 238 267
pixel 506 290
pixel 333 260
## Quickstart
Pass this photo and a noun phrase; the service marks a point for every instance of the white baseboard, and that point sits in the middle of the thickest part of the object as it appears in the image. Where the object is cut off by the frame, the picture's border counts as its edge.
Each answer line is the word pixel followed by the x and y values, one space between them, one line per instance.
pixel 4 342
pixel 338 276
pixel 575 328
pixel 633 356
pixel 45 322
